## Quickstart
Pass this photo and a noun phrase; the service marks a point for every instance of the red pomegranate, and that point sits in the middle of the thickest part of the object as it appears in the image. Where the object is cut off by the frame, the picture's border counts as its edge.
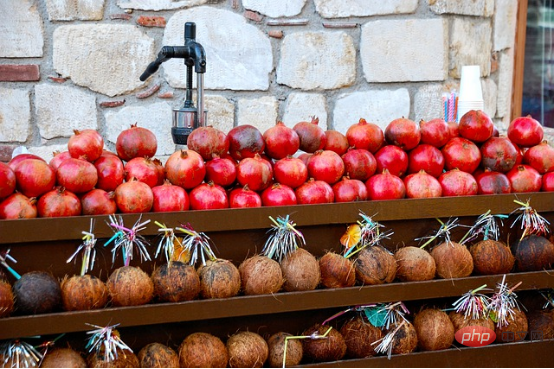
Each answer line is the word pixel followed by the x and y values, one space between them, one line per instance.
pixel 7 181
pixel 499 154
pixel 208 141
pixel 98 202
pixel 359 164
pixel 146 170
pixel 326 165
pixel 385 186
pixel 453 129
pixel 281 141
pixel 221 171
pixel 524 178
pixel 185 168
pixel 243 197
pixel 19 158
pixel 476 125
pixel 422 185
pixel 86 144
pixel 312 136
pixel 349 190
pixel 208 196
pixel 136 142
pixel 547 182
pixel 77 175
pixel 110 171
pixel 364 135
pixel 59 203
pixel 58 158
pixel 290 171
pixel 434 132
pixel 492 183
pixel 393 159
pixel 403 133
pixel 278 195
pixel 525 131
pixel 462 154
pixel 245 141
pixel 34 177
pixel 427 158
pixel 315 192
pixel 336 142
pixel 458 183
pixel 168 197
pixel 134 197
pixel 255 172
pixel 540 157
pixel 18 206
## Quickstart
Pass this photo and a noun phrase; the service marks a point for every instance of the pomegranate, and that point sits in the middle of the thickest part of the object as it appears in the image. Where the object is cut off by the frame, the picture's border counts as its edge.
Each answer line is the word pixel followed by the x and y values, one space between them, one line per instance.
pixel 348 190
pixel 525 131
pixel 168 197
pixel 145 170
pixel 59 203
pixel 290 172
pixel 524 178
pixel 110 171
pixel 312 136
pixel 185 168
pixel 7 180
pixel 305 157
pixel 434 132
pixel 364 135
pixel 426 157
pixel 208 196
pixel 278 195
pixel 18 206
pixel 255 172
pixel 281 141
pixel 458 183
pixel 540 157
pixel 499 154
pixel 453 129
pixel 393 159
pixel 98 202
pixel 208 141
pixel 19 158
pixel 315 192
pixel 547 182
pixel 77 175
pixel 462 154
pixel 336 142
pixel 136 142
pixel 385 186
pixel 476 125
pixel 86 144
pixel 244 197
pixel 359 164
pixel 326 165
pixel 134 197
pixel 34 177
pixel 492 183
pixel 58 158
pixel 422 185
pixel 245 141
pixel 221 171
pixel 403 133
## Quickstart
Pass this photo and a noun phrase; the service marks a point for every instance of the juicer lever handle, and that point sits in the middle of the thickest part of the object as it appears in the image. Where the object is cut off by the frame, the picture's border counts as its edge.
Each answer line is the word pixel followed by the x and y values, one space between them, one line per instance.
pixel 166 53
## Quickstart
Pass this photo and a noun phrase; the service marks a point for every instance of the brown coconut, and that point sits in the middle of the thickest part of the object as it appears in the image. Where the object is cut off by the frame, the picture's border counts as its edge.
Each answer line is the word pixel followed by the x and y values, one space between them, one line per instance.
pixel 203 350
pixel 541 324
pixel 405 339
pixel 300 270
pixel 276 345
pixel 414 264
pixel 331 348
pixel 375 265
pixel 124 359
pixel 63 358
pixel 336 271
pixel 533 253
pixel 157 355
pixel 84 292
pixel 434 329
pixel 453 260
pixel 6 299
pixel 247 350
pixel 175 282
pixel 491 257
pixel 515 331
pixel 359 335
pixel 130 286
pixel 260 275
pixel 219 279
pixel 37 293
pixel 460 321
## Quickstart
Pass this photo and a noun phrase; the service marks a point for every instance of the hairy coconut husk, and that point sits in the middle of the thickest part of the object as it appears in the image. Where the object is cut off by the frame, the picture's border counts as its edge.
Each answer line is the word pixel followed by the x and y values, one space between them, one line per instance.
pixel 203 350
pixel 336 271
pixel 124 359
pixel 175 282
pixel 515 331
pixel 435 330
pixel 331 348
pixel 157 355
pixel 491 257
pixel 260 275
pixel 219 279
pixel 37 293
pixel 414 264
pixel 541 324
pixel 276 345
pixel 300 270
pixel 405 339
pixel 247 350
pixel 453 260
pixel 533 253
pixel 6 299
pixel 63 358
pixel 460 321
pixel 130 286
pixel 84 292
pixel 375 265
pixel 359 336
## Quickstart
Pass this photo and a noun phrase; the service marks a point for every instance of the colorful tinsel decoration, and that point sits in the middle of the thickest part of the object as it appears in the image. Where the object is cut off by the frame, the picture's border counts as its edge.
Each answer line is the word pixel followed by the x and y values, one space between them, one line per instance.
pixel 531 221
pixel 473 304
pixel 105 340
pixel 443 232
pixel 364 233
pixel 283 240
pixel 486 225
pixel 197 244
pixel 4 258
pixel 502 303
pixel 127 239
pixel 19 354
pixel 87 248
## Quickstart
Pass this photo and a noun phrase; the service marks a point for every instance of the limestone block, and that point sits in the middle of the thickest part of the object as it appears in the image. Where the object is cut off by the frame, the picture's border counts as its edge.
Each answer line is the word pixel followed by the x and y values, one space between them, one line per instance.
pixel 471 45
pixel 480 8
pixel 489 96
pixel 505 80
pixel 428 102
pixel 260 113
pixel 66 10
pixel 363 8
pixel 21 29
pixel 272 8
pixel 505 19
pixel 158 4
pixel 301 107
pixel 15 115
pixel 221 112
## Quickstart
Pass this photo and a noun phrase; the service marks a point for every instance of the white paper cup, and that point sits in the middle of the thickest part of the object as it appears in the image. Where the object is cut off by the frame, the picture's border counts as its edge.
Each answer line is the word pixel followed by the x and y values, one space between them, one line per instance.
pixel 470 84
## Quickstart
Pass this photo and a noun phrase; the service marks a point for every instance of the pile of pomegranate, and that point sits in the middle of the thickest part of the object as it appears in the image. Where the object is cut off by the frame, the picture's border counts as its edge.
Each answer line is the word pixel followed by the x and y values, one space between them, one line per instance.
pixel 283 166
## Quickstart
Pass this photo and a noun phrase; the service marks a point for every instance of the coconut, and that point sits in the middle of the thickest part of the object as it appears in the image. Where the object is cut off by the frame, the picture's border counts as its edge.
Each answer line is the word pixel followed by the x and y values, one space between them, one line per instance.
pixel 460 321
pixel 414 264
pixel 83 292
pixel 533 253
pixel 453 260
pixel 541 324
pixel 276 345
pixel 203 350
pixel 123 359
pixel 515 331
pixel 63 358
pixel 260 275
pixel 405 339
pixel 219 279
pixel 336 271
pixel 247 350
pixel 491 257
pixel 434 329
pixel 375 265
pixel 130 286
pixel 359 335
pixel 37 293
pixel 331 348
pixel 6 299
pixel 175 282
pixel 300 270
pixel 157 355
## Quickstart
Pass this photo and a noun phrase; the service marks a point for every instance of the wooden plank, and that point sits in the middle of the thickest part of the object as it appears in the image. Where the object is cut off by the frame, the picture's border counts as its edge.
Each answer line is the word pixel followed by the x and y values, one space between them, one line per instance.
pixel 519 59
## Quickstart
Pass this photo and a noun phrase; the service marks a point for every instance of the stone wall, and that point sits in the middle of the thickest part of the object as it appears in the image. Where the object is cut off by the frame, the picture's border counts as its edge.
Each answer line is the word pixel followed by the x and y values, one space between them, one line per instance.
pixel 75 64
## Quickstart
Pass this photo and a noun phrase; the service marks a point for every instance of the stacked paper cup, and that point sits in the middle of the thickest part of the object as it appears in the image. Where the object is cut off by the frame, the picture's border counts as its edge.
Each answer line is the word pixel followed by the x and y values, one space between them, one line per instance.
pixel 471 94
